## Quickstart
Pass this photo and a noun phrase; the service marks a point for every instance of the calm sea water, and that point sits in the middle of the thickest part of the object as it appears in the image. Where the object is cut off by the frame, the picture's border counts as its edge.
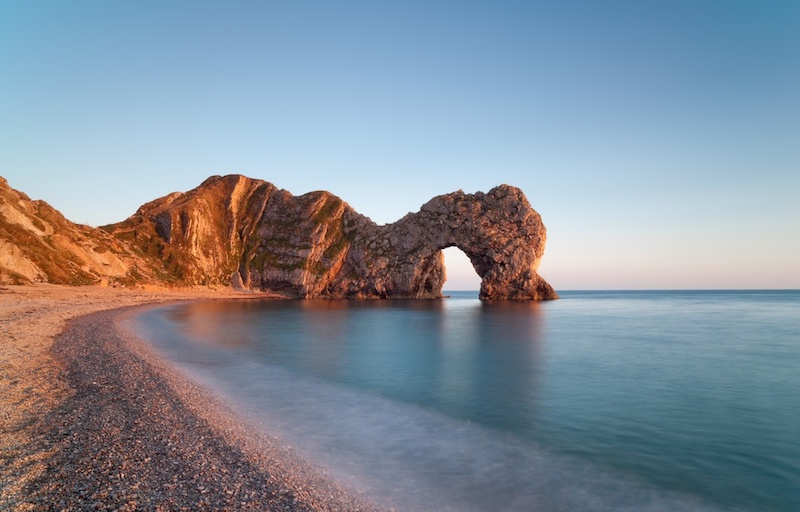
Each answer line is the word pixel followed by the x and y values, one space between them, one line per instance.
pixel 598 401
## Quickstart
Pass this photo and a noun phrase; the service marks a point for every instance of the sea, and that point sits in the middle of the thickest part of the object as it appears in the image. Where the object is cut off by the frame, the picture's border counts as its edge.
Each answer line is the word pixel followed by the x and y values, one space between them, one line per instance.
pixel 599 401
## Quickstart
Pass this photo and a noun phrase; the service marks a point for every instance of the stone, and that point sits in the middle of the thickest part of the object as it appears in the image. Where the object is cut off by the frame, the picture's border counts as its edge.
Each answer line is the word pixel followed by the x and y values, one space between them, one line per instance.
pixel 246 233
pixel 37 244
pixel 500 233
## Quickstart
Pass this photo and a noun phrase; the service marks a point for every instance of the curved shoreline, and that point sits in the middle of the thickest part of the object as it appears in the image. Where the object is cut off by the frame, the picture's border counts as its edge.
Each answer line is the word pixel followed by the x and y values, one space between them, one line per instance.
pixel 121 429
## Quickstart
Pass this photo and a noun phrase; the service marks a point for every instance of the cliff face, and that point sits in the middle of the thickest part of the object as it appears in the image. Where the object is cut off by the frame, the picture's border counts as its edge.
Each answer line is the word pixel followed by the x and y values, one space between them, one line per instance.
pixel 240 231
pixel 197 237
pixel 248 233
pixel 38 244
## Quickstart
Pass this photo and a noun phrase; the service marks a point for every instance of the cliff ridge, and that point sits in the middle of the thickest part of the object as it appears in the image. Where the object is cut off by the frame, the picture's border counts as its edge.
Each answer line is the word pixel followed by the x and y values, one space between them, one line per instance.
pixel 234 230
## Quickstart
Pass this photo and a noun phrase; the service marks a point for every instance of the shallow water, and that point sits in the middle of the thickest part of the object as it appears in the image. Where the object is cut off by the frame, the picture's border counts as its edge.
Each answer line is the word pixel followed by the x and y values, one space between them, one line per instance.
pixel 597 401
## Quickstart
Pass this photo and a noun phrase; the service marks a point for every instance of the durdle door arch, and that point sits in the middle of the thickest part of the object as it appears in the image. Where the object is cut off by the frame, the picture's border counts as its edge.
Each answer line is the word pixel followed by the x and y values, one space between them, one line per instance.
pixel 500 233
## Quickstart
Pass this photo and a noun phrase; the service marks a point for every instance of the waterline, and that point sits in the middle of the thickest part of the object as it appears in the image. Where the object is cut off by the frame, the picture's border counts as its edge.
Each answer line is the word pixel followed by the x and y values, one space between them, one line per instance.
pixel 614 402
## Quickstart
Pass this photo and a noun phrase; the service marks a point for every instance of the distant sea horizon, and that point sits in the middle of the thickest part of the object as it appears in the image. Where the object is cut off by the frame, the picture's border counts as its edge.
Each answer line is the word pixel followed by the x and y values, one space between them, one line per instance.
pixel 604 400
pixel 476 290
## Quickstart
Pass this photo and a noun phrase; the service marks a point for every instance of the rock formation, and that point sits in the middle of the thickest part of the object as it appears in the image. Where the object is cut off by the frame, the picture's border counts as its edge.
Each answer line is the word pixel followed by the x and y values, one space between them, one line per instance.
pixel 501 234
pixel 38 244
pixel 248 233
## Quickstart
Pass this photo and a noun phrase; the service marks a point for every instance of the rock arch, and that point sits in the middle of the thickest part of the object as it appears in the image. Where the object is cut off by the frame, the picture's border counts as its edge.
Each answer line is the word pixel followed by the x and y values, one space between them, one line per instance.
pixel 500 233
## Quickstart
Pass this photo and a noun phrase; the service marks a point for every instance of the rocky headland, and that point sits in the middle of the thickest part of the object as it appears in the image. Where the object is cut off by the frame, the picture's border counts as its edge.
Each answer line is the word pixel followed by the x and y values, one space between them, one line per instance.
pixel 249 234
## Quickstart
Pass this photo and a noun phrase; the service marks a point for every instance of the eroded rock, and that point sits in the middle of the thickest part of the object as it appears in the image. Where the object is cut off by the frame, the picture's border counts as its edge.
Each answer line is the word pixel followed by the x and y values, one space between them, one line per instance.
pixel 500 233
pixel 37 244
pixel 238 231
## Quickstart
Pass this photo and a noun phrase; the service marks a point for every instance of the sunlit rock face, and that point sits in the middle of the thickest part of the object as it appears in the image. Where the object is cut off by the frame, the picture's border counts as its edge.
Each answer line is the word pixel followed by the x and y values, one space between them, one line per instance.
pixel 501 234
pixel 238 231
pixel 37 244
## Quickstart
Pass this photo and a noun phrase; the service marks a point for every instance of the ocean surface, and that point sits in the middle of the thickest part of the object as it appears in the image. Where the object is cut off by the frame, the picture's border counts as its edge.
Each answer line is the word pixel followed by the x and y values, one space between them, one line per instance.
pixel 600 401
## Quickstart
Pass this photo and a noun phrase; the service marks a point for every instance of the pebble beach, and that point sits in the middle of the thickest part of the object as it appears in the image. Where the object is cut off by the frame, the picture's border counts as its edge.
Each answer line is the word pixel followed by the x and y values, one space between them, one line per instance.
pixel 92 419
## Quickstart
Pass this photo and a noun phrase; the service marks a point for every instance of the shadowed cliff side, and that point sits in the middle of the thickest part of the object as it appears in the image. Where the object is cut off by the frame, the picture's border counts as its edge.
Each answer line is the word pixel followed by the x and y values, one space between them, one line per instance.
pixel 238 231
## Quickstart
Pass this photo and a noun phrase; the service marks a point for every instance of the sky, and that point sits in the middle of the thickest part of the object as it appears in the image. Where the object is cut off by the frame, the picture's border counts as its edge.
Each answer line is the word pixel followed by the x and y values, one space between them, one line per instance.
pixel 659 140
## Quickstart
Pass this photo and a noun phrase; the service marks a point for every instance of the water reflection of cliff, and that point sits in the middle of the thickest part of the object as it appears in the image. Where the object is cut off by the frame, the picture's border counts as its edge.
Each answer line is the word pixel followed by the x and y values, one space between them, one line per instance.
pixel 472 359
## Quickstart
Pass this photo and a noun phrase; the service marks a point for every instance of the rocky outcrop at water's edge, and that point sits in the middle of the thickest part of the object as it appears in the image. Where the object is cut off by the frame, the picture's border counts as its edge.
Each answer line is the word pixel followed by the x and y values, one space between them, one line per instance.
pixel 239 231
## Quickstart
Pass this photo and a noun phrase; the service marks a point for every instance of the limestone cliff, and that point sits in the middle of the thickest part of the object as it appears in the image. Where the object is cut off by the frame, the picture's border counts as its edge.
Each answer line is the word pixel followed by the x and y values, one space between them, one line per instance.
pixel 248 233
pixel 38 244
pixel 501 234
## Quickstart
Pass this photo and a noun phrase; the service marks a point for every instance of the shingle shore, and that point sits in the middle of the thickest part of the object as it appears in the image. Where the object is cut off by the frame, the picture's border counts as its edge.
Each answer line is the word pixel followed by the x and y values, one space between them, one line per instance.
pixel 94 421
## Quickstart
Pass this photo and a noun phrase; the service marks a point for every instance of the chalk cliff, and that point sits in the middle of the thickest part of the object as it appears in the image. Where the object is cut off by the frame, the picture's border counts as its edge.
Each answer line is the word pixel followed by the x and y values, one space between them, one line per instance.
pixel 250 234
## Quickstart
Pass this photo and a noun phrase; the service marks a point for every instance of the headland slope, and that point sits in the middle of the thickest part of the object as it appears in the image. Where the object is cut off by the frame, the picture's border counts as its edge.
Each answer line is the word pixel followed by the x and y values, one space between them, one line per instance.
pixel 249 234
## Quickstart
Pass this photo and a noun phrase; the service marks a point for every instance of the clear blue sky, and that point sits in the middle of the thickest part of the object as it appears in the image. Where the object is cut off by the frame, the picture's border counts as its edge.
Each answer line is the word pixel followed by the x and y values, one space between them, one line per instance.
pixel 659 140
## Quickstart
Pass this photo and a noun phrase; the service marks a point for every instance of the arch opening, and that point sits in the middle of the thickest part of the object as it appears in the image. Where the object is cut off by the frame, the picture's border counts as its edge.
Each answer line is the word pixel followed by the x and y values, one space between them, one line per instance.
pixel 461 275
